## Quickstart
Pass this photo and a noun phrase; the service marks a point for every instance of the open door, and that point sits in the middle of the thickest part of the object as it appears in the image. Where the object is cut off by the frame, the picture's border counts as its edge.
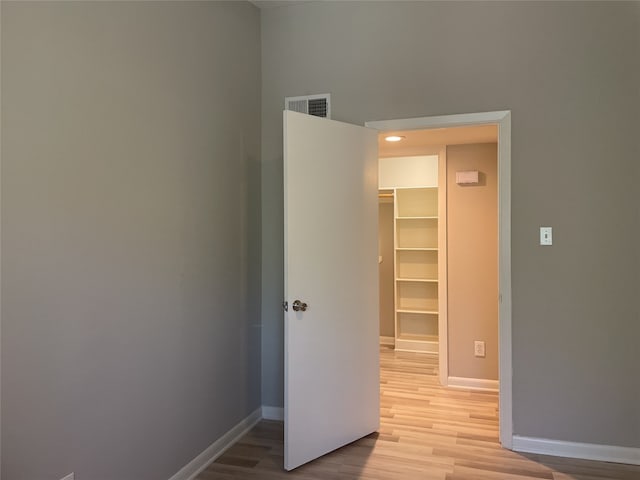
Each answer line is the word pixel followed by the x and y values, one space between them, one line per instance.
pixel 331 286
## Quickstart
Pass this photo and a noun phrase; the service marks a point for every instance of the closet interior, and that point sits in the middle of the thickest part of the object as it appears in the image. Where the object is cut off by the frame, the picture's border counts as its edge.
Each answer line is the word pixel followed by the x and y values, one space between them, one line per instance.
pixel 438 240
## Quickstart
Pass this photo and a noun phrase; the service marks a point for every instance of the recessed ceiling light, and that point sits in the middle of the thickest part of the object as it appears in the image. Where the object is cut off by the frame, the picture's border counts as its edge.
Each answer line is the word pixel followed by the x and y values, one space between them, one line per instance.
pixel 394 138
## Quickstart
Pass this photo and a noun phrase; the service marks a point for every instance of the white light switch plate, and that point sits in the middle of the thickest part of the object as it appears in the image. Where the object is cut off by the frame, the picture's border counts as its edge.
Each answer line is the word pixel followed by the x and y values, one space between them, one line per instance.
pixel 546 236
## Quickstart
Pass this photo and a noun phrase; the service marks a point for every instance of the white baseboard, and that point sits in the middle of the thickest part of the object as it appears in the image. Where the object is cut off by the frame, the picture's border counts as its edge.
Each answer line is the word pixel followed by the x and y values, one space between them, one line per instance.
pixel 387 340
pixel 273 413
pixel 474 383
pixel 217 448
pixel 586 451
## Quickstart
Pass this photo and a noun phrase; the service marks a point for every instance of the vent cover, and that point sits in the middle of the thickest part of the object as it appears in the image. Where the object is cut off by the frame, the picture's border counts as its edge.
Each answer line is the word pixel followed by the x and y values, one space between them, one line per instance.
pixel 317 105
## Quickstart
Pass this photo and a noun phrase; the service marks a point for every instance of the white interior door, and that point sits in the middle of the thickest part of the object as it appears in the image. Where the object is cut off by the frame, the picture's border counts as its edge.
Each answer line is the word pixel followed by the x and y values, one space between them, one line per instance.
pixel 331 264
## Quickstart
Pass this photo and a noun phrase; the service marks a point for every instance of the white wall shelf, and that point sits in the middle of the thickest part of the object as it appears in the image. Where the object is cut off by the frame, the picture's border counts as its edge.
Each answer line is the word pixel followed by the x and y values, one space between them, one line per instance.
pixel 416 310
pixel 416 269
pixel 417 280
pixel 418 249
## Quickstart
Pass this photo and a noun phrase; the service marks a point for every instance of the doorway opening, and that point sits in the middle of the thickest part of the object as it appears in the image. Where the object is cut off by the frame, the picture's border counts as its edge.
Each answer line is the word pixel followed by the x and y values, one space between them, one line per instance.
pixel 419 254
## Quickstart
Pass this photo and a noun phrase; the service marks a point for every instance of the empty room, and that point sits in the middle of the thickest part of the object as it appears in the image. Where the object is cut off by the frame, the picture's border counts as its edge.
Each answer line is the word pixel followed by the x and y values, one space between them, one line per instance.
pixel 191 257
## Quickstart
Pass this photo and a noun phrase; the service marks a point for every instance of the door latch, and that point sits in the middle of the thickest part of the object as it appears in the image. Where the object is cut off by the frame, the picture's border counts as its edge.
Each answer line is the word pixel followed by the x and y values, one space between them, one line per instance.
pixel 285 306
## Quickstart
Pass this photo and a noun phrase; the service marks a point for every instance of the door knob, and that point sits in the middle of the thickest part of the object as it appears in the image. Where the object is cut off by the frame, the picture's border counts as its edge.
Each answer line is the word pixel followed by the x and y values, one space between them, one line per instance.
pixel 299 306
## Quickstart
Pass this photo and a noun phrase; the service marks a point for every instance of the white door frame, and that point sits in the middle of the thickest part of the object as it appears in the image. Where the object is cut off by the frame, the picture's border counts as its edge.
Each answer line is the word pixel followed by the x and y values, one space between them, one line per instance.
pixel 503 120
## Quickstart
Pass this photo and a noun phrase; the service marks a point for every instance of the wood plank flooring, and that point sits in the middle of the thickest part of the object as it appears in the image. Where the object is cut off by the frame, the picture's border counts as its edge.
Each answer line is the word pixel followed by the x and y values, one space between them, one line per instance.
pixel 427 432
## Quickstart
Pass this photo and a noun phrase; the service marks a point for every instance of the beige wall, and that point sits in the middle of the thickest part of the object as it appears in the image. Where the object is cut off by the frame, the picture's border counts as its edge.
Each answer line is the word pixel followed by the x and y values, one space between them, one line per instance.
pixel 472 261
pixel 569 72
pixel 385 245
pixel 130 234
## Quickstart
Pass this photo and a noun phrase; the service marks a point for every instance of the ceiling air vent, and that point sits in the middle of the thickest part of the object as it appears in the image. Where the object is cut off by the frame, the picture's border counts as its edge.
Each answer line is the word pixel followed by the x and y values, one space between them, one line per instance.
pixel 318 105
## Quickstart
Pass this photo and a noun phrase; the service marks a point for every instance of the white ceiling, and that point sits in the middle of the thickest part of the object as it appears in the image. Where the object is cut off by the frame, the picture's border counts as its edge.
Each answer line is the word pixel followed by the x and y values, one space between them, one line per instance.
pixel 424 142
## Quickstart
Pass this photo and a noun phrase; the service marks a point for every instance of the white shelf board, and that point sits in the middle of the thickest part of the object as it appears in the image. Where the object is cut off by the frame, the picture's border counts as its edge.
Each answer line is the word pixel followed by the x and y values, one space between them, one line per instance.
pixel 417 338
pixel 417 249
pixel 409 310
pixel 432 280
pixel 416 346
pixel 418 218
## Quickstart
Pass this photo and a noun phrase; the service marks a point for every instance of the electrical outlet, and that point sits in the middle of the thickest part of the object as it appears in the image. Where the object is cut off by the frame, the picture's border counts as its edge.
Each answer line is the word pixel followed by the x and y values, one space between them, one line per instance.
pixel 478 348
pixel 71 476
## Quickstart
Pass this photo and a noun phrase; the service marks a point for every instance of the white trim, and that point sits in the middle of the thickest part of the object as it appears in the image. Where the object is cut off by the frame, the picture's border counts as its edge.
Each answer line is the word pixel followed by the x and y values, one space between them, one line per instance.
pixel 443 270
pixel 442 121
pixel 416 346
pixel 273 413
pixel 473 383
pixel 503 120
pixel 191 470
pixel 387 340
pixel 587 451
pixel 505 359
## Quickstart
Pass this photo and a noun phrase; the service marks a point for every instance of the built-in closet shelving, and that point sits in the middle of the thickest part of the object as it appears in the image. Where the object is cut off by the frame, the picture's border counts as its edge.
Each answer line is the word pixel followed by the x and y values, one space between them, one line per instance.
pixel 416 268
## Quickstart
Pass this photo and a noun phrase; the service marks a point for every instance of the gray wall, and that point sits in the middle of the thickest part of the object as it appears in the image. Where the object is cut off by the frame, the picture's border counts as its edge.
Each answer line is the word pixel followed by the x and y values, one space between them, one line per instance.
pixel 130 234
pixel 472 261
pixel 569 72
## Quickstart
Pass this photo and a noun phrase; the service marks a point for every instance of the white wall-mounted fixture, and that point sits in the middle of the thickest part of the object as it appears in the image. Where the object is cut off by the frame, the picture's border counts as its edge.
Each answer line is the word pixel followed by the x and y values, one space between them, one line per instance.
pixel 394 138
pixel 317 105
pixel 468 177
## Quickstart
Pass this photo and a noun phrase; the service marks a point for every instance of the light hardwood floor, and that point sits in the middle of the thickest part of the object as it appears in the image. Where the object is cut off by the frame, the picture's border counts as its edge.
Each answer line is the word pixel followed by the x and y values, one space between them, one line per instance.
pixel 427 432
